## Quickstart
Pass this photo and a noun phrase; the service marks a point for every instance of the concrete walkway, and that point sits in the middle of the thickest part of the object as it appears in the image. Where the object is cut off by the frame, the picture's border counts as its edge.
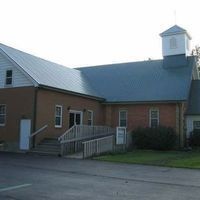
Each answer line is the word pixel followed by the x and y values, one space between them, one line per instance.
pixel 78 155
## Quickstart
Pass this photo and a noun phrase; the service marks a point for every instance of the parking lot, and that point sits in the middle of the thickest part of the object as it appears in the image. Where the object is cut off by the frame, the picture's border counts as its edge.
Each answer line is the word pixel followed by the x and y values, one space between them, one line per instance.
pixel 26 176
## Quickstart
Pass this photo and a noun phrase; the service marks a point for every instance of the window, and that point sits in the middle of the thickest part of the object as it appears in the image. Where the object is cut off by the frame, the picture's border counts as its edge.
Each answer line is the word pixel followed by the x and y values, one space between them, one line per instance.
pixel 2 115
pixel 196 124
pixel 154 118
pixel 9 74
pixel 122 118
pixel 173 43
pixel 90 117
pixel 58 116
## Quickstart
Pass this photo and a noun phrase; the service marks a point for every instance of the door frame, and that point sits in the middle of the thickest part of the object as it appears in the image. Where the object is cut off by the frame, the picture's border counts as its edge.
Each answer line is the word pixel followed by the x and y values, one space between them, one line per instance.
pixel 78 112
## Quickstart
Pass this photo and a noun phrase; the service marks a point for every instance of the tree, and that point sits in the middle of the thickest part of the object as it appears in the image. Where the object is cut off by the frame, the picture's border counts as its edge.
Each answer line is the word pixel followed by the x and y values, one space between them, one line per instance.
pixel 196 52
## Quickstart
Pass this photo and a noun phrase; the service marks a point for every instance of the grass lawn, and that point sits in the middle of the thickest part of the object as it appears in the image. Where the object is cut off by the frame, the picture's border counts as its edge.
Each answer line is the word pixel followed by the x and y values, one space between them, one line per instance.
pixel 181 159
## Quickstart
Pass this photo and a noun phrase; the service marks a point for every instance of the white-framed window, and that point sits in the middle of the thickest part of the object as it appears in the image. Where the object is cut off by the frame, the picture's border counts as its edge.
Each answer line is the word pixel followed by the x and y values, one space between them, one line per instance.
pixel 58 116
pixel 123 118
pixel 173 43
pixel 9 77
pixel 2 115
pixel 154 117
pixel 196 124
pixel 90 117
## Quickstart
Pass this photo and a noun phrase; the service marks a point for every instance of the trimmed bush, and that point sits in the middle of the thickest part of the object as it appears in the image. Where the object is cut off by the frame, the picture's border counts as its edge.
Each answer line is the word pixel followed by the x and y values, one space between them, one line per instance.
pixel 160 138
pixel 195 138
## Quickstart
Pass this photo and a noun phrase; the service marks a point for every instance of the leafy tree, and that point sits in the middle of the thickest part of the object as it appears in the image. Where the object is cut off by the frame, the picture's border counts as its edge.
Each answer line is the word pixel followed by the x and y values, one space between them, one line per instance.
pixel 196 52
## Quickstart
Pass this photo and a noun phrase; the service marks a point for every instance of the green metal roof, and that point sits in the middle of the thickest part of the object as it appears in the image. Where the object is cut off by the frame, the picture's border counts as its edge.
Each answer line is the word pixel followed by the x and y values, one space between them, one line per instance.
pixel 144 81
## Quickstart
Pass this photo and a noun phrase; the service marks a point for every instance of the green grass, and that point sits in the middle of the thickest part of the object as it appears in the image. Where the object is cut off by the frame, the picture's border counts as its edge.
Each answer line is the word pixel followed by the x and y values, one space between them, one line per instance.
pixel 181 159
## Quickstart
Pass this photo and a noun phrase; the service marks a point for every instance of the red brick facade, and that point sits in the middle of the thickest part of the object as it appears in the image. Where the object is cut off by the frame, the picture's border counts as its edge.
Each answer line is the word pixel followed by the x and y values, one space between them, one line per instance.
pixel 45 110
pixel 39 106
pixel 19 104
pixel 138 115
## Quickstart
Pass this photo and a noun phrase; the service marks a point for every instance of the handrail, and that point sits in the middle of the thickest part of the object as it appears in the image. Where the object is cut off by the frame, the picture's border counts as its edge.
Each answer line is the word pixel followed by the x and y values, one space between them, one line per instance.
pixel 38 131
pixel 98 146
pixel 65 133
pixel 79 133
pixel 84 131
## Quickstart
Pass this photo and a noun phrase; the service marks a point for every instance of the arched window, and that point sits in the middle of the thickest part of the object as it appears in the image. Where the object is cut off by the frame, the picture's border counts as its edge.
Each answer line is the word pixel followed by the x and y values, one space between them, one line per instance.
pixel 173 43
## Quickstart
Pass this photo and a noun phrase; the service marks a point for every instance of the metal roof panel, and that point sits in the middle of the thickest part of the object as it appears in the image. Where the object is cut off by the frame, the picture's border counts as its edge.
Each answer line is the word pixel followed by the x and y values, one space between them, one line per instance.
pixel 141 81
pixel 50 74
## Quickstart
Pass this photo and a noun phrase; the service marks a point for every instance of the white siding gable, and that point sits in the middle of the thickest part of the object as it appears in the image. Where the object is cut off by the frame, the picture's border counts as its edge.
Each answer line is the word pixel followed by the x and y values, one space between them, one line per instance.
pixel 19 79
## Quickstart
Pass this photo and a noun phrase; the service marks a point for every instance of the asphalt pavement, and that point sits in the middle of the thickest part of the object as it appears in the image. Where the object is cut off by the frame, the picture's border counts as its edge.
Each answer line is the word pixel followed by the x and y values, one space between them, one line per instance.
pixel 33 177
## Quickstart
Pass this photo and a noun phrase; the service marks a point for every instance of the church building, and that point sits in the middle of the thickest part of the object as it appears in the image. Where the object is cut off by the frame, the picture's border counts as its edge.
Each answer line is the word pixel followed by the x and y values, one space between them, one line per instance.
pixel 39 95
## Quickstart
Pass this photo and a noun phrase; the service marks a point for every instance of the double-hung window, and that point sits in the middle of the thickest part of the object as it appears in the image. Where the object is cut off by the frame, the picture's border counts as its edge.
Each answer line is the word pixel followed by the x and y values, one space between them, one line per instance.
pixel 58 116
pixel 154 117
pixel 123 118
pixel 90 117
pixel 9 77
pixel 2 115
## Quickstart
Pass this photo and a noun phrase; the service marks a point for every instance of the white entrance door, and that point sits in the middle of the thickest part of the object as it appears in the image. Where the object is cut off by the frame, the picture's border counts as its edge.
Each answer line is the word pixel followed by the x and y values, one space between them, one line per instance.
pixel 25 131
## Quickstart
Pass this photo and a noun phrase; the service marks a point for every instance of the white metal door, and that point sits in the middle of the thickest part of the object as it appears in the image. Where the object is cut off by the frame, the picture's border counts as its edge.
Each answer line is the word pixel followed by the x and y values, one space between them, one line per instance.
pixel 25 131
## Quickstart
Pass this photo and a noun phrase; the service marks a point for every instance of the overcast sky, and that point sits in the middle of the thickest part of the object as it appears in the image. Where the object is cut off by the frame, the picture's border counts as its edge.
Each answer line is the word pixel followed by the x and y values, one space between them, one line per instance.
pixel 94 32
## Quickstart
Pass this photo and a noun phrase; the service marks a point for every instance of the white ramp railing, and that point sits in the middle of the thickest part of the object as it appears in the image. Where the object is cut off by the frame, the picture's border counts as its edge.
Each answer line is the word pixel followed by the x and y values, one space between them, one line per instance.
pixel 79 133
pixel 98 146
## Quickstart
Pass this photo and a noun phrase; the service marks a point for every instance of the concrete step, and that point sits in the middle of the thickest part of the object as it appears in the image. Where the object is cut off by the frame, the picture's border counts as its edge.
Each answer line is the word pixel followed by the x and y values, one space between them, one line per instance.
pixel 44 152
pixel 50 149
pixel 50 141
pixel 47 146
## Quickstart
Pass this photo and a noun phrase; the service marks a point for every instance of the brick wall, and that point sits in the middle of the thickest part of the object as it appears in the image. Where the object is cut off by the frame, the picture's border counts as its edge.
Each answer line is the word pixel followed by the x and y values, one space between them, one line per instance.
pixel 19 104
pixel 46 101
pixel 138 115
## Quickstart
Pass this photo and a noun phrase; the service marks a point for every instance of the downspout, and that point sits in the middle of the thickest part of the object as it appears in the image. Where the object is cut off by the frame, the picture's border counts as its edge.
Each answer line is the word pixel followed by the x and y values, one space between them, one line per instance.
pixel 180 132
pixel 181 125
pixel 178 122
pixel 34 115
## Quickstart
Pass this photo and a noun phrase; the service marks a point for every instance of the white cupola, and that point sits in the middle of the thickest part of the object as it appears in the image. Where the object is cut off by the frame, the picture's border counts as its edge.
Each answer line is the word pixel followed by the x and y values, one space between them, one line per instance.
pixel 175 41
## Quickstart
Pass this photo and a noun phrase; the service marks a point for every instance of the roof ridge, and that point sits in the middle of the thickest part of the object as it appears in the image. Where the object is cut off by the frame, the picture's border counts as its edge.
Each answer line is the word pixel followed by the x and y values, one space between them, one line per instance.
pixel 38 57
pixel 121 63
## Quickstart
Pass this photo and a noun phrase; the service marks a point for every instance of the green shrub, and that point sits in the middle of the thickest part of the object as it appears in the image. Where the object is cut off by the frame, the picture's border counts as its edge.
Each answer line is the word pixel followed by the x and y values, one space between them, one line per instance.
pixel 160 138
pixel 195 138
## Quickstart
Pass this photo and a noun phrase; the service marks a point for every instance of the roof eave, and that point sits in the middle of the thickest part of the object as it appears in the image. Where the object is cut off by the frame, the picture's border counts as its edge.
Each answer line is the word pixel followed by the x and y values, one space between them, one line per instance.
pixel 145 102
pixel 176 33
pixel 190 114
pixel 71 92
